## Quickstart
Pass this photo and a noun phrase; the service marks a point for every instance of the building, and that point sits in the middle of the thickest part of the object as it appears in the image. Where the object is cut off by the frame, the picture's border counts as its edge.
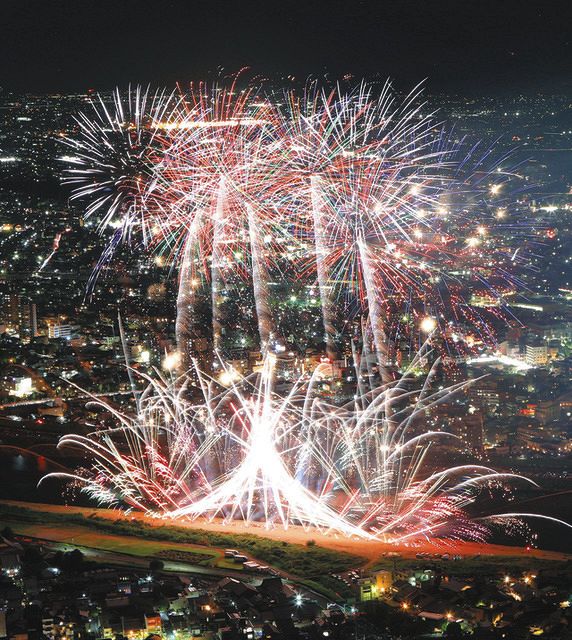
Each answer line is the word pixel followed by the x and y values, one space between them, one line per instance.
pixel 547 411
pixel 58 330
pixel 486 394
pixel 467 424
pixel 471 430
pixel 48 628
pixel 536 354
pixel 19 315
pixel 3 630
pixel 376 586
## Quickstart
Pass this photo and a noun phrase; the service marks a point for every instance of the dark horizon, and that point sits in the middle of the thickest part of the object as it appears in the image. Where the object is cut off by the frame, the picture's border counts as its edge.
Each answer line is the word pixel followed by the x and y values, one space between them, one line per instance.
pixel 474 47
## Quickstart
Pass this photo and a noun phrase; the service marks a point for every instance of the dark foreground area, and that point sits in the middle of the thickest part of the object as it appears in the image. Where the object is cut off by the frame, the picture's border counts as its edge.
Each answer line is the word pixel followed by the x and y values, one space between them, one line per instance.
pixel 68 575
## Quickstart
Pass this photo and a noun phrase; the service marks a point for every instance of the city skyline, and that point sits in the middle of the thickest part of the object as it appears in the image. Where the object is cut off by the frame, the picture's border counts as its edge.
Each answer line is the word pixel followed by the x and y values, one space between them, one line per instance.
pixel 285 320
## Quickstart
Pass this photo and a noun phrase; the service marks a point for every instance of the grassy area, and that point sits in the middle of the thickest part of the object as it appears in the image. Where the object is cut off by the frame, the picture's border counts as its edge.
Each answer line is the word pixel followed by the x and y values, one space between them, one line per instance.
pixel 80 536
pixel 471 566
pixel 323 589
pixel 305 561
pixel 330 587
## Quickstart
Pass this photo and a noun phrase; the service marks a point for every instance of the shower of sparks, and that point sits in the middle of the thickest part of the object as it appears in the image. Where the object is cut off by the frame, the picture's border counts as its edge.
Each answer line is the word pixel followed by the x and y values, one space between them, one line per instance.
pixel 247 454
pixel 360 194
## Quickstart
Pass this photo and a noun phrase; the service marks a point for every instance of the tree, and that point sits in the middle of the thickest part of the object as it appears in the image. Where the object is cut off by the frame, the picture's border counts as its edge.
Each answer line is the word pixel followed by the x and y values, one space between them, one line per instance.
pixel 7 533
pixel 453 631
pixel 156 565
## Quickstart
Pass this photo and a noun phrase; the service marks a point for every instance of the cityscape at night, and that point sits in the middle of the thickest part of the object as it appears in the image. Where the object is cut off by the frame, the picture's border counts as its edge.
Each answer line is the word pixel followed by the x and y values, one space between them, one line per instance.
pixel 285 321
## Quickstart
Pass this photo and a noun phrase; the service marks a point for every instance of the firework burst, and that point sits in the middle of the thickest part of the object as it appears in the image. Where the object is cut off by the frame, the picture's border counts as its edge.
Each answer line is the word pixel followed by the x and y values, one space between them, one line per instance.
pixel 361 192
pixel 234 186
pixel 113 158
pixel 247 454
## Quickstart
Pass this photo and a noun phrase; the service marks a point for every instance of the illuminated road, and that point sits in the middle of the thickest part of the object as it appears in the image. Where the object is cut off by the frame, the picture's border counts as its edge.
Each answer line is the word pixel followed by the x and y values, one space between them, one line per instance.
pixel 87 396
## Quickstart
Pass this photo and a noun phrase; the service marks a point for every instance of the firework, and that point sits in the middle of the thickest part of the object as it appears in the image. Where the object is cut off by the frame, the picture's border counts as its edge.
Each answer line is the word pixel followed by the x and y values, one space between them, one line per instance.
pixel 222 180
pixel 215 175
pixel 247 454
pixel 113 158
pixel 221 183
pixel 351 157
pixel 396 208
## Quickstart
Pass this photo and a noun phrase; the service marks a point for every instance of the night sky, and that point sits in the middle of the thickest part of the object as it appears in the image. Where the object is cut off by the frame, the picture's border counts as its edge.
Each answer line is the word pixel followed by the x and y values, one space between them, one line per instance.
pixel 470 46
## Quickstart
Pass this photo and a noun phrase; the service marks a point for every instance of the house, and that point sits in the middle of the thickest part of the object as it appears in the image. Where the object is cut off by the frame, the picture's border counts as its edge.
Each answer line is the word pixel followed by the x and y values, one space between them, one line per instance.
pixel 375 586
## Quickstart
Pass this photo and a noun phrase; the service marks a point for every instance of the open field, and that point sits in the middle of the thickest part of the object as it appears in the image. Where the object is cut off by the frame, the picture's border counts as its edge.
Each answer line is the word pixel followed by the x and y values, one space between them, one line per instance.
pixel 292 559
pixel 209 532
pixel 76 535
pixel 488 565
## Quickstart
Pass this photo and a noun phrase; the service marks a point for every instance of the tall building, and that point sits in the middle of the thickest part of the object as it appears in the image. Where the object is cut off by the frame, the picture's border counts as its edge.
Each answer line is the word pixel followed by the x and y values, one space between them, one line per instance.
pixel 485 394
pixel 536 354
pixel 33 320
pixel 19 315
pixel 465 422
